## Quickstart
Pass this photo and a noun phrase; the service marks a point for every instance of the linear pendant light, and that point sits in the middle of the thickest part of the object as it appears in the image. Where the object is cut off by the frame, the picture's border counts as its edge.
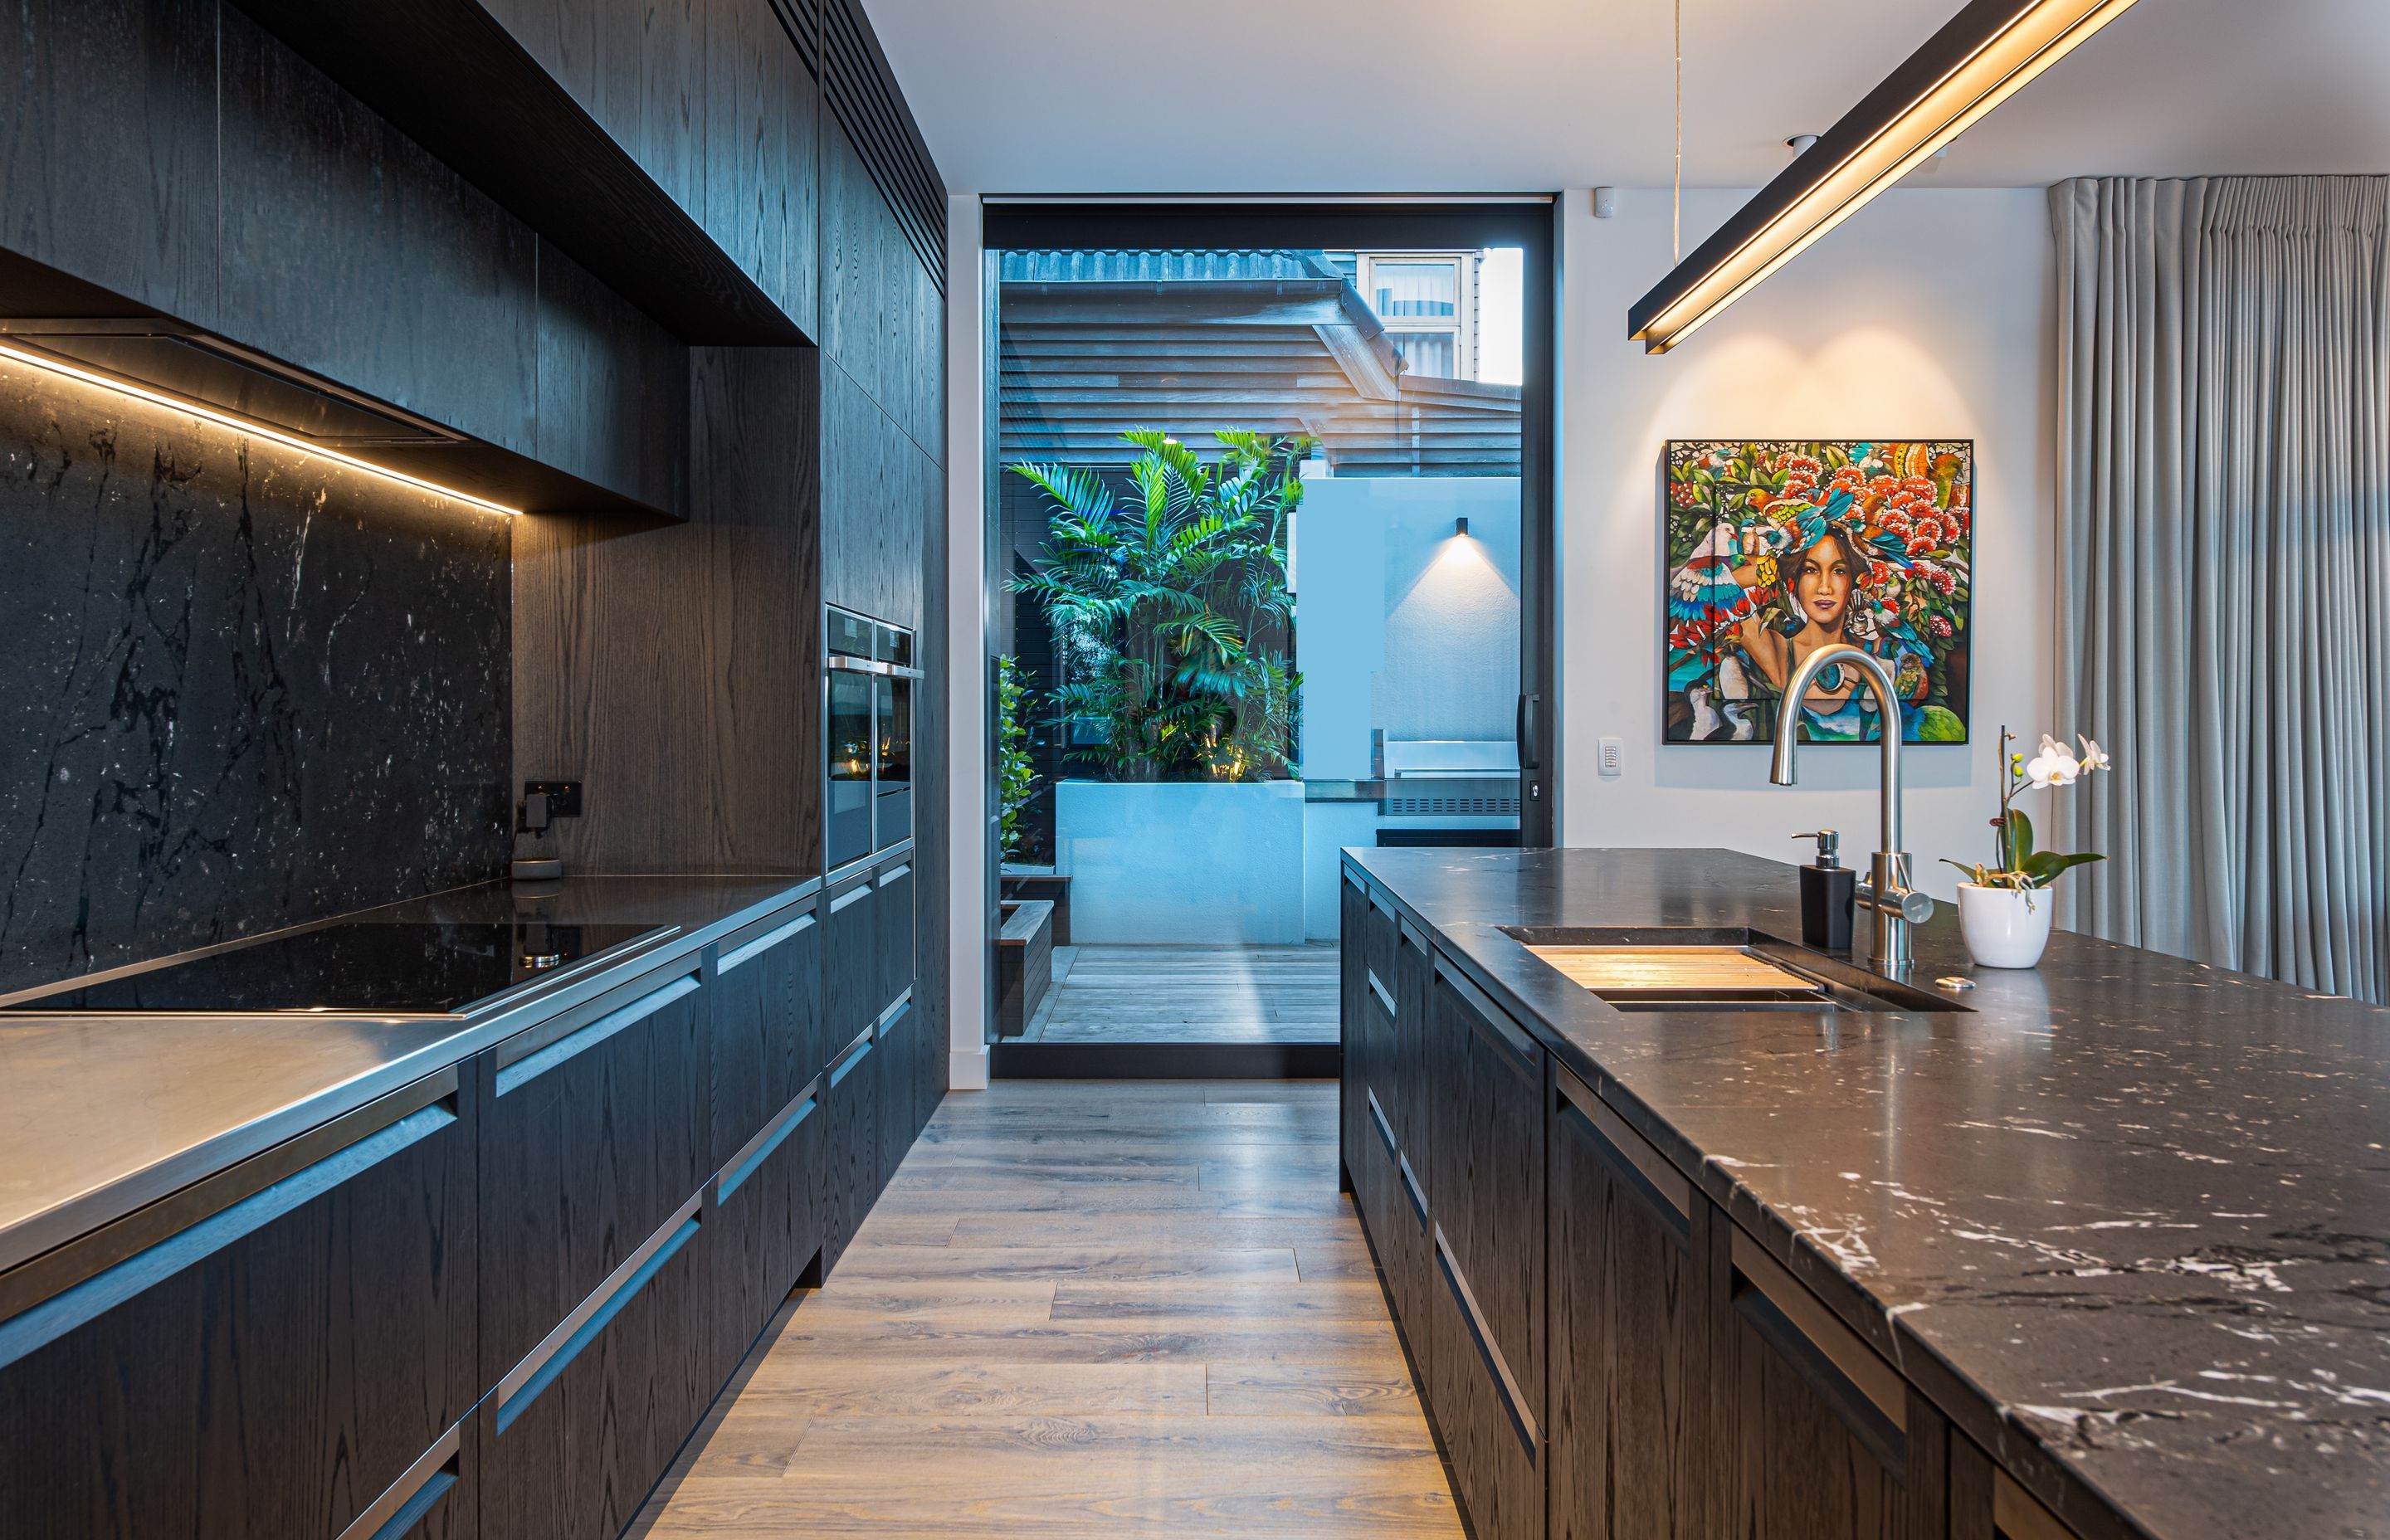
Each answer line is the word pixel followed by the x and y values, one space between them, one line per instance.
pixel 1984 56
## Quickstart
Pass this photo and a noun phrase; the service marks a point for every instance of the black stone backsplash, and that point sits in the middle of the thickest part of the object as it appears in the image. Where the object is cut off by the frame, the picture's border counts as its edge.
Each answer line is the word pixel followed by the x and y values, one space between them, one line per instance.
pixel 244 687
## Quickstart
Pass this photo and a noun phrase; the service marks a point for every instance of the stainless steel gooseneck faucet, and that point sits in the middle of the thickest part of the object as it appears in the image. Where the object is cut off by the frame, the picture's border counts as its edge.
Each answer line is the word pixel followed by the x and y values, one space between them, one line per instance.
pixel 1886 892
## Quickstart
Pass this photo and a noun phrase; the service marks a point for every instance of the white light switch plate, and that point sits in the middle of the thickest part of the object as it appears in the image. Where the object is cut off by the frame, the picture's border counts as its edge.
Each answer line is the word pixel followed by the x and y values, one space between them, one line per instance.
pixel 1613 756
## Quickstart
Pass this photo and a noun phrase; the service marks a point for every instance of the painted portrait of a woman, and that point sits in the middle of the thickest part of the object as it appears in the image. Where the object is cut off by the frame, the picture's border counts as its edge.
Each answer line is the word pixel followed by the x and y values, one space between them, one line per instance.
pixel 1793 547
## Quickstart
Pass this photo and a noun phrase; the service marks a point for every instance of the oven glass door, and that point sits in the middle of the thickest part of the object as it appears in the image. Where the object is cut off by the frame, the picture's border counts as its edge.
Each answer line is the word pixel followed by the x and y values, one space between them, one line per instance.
pixel 895 790
pixel 851 753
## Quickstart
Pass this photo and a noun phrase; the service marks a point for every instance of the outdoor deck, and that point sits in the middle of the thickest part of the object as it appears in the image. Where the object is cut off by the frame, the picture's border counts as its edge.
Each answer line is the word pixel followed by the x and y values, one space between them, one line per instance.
pixel 1189 994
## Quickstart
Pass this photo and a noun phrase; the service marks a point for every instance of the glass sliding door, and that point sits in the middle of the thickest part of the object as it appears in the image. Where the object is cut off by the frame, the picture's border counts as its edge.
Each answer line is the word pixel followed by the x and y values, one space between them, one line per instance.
pixel 1267 538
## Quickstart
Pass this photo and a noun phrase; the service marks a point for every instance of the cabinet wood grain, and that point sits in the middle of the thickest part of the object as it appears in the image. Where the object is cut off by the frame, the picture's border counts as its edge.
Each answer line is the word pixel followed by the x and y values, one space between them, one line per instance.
pixel 850 1174
pixel 579 1457
pixel 128 85
pixel 614 399
pixel 273 1380
pixel 1808 1449
pixel 1631 1454
pixel 675 670
pixel 853 282
pixel 350 251
pixel 765 1225
pixel 582 1158
pixel 586 121
pixel 1487 1197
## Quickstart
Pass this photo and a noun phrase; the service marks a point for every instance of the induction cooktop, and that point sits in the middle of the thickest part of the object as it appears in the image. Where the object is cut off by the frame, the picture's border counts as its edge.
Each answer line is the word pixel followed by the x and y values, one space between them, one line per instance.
pixel 355 968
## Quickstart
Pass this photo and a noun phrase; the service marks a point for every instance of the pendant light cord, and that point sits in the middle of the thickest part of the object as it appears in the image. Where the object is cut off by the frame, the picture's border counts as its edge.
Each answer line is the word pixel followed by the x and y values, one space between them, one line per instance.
pixel 1676 205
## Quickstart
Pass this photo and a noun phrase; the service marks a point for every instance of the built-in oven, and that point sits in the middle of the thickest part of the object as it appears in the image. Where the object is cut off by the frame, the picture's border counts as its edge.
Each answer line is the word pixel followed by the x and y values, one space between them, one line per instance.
pixel 868 741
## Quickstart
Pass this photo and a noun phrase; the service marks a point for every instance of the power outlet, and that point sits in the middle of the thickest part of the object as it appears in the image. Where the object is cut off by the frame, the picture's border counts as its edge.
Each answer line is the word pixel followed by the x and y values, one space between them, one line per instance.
pixel 563 797
pixel 1613 756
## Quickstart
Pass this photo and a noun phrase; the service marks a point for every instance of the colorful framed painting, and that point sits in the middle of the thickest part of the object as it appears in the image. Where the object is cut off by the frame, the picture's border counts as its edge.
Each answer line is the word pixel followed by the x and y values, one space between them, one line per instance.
pixel 1777 547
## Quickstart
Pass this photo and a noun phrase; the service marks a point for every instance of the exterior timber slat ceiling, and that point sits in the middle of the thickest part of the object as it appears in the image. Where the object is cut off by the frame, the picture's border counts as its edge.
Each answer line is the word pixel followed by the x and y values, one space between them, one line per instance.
pixel 1094 343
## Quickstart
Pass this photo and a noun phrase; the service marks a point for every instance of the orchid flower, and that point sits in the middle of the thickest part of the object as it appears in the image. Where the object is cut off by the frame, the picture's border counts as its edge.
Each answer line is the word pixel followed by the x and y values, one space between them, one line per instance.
pixel 2095 757
pixel 2055 765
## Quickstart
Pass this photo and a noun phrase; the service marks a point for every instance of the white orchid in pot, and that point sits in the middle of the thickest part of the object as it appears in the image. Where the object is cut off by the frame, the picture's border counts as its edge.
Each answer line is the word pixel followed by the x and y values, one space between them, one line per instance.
pixel 2004 926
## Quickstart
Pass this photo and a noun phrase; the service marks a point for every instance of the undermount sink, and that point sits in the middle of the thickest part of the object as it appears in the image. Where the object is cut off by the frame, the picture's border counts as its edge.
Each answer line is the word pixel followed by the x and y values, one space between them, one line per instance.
pixel 1671 967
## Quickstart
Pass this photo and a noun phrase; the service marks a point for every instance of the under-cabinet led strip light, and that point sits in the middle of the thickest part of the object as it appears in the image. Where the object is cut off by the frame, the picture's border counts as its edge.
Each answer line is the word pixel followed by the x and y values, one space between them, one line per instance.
pixel 1985 55
pixel 245 425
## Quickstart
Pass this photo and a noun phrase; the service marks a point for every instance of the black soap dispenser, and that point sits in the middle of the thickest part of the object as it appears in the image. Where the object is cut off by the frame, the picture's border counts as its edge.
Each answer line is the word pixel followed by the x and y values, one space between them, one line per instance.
pixel 1827 890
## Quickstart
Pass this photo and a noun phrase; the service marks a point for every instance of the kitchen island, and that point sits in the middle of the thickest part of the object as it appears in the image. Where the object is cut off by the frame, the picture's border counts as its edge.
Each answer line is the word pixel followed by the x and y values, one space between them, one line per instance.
pixel 2099 1248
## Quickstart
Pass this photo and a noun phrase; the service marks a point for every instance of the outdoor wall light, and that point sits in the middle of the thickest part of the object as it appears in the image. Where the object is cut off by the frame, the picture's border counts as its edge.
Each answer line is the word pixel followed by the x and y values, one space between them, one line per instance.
pixel 1982 57
pixel 1460 528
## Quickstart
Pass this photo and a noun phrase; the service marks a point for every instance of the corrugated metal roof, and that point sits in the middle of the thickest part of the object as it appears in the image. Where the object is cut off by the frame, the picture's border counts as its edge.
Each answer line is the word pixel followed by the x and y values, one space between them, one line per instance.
pixel 1230 349
pixel 1164 266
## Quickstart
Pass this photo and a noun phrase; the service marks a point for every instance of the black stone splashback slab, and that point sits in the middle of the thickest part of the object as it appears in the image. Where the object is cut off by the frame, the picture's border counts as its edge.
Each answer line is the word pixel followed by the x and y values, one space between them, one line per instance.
pixel 246 687
pixel 2125 1217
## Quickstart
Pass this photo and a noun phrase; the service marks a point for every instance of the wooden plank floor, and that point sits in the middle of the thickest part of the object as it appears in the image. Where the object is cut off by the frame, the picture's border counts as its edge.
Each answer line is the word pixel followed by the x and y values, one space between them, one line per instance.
pixel 1085 1309
pixel 1189 994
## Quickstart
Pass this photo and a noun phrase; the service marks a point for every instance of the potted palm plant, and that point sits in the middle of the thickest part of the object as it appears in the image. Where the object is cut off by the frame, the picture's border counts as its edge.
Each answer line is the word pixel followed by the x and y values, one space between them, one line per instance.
pixel 2004 911
pixel 1164 586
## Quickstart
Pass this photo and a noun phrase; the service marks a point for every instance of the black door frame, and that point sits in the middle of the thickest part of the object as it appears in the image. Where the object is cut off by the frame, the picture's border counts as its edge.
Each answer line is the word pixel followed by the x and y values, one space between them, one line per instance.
pixel 1529 222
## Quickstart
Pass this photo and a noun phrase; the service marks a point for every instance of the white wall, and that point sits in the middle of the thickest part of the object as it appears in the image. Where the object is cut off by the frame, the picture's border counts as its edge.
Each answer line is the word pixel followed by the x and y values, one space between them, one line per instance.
pixel 968 750
pixel 1928 314
pixel 1400 625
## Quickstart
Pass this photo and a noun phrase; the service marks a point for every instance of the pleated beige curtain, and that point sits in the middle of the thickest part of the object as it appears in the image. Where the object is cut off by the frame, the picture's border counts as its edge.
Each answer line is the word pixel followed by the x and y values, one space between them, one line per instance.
pixel 2224 552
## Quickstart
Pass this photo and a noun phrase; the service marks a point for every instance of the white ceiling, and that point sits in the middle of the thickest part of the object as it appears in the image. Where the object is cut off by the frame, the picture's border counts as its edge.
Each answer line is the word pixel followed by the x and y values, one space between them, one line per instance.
pixel 1452 95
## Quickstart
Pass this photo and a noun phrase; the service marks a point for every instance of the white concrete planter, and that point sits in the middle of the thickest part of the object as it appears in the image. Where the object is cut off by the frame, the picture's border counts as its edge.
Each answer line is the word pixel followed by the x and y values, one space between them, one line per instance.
pixel 2004 927
pixel 1182 862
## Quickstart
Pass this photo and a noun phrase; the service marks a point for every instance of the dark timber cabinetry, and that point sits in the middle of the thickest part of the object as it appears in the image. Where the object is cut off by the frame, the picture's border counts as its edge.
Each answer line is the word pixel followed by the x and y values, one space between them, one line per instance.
pixel 1486 1092
pixel 260 1356
pixel 493 1302
pixel 1605 1354
pixel 631 253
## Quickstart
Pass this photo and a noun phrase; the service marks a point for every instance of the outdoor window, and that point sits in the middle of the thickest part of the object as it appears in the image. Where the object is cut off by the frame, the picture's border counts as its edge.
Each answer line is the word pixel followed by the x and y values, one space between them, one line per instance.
pixel 1259 542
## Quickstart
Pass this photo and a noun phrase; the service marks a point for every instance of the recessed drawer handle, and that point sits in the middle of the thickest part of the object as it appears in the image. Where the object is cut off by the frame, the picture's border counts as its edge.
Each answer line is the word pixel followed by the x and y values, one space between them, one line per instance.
pixel 1411 1187
pixel 542 1364
pixel 764 944
pixel 397 1511
pixel 1638 1167
pixel 1522 1421
pixel 103 1291
pixel 1378 990
pixel 888 876
pixel 582 1039
pixel 856 894
pixel 1496 1021
pixel 1385 1129
pixel 767 1140
pixel 1863 1390
pixel 852 1057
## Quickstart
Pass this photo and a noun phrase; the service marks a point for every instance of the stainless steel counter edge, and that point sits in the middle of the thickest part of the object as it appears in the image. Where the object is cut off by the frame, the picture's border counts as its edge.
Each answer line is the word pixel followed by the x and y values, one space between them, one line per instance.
pixel 79 1214
pixel 1970 1407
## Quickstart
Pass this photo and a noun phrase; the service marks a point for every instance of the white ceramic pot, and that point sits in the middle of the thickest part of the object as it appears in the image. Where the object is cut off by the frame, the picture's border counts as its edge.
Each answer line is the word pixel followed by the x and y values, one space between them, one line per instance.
pixel 2004 927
